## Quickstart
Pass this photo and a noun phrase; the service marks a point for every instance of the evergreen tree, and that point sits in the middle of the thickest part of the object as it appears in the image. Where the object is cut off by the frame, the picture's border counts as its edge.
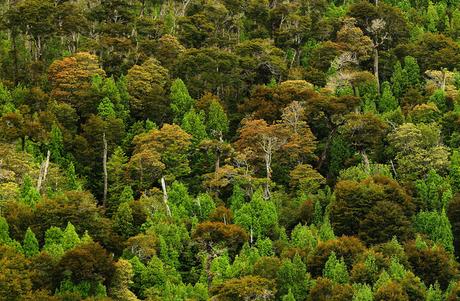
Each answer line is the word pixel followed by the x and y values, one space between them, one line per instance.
pixel 53 242
pixel 30 244
pixel 237 198
pixel 289 296
pixel 127 195
pixel 325 231
pixel 412 70
pixel 217 122
pixel 72 180
pixel 432 18
pixel 399 80
pixel 193 123
pixel 396 270
pixel 387 102
pixel 181 101
pixel 292 276
pixel 362 292
pixel 29 194
pixel 56 144
pixel 437 226
pixel 335 269
pixel 258 217
pixel 439 99
pixel 434 293
pixel 106 109
pixel 123 220
pixel 454 172
pixel 4 231
pixel 70 238
pixel 302 237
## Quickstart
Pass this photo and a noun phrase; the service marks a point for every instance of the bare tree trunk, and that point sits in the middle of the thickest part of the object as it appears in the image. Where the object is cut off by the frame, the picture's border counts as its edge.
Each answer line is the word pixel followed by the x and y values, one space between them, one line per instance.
pixel 104 165
pixel 43 171
pixel 217 165
pixel 366 161
pixel 269 175
pixel 165 196
pixel 376 68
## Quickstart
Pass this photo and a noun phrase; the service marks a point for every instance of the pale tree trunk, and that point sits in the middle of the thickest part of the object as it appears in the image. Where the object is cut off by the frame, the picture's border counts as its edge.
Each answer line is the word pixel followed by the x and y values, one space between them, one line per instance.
pixel 269 175
pixel 104 165
pixel 165 196
pixel 43 171
pixel 376 68
pixel 367 165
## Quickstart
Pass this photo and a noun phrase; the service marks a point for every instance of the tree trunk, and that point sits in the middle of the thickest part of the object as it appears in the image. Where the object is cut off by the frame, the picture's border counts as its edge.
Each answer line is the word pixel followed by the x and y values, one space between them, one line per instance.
pixel 376 68
pixel 104 165
pixel 269 175
pixel 366 161
pixel 165 196
pixel 217 164
pixel 43 171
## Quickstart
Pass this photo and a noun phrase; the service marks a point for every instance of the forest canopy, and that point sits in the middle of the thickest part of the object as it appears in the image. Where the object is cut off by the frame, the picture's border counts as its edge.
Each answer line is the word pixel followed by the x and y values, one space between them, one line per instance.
pixel 295 150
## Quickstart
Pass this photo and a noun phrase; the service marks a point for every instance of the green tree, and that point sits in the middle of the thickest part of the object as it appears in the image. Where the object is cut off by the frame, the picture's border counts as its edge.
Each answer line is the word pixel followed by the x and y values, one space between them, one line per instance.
pixel 72 181
pixel 362 293
pixel 4 231
pixel 289 296
pixel 437 226
pixel 387 102
pixel 217 123
pixel 336 270
pixel 123 220
pixel 292 276
pixel 70 238
pixel 29 194
pixel 56 144
pixel 258 217
pixel 106 109
pixel 399 80
pixel 30 244
pixel 181 101
pixel 412 70
pixel 434 293
pixel 194 123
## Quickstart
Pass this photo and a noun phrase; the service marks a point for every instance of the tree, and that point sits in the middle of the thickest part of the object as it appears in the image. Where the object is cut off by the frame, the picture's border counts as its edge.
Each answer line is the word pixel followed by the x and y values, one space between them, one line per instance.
pixel 30 244
pixel 106 109
pixel 261 141
pixel 437 226
pixel 86 263
pixel 419 150
pixel 29 195
pixel 377 199
pixel 387 101
pixel 335 269
pixel 121 281
pixel 181 101
pixel 365 133
pixel 292 277
pixel 123 220
pixel 14 274
pixel 70 238
pixel 258 217
pixel 71 81
pixel 245 288
pixel 56 144
pixel 4 231
pixel 147 86
pixel 217 123
pixel 194 123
